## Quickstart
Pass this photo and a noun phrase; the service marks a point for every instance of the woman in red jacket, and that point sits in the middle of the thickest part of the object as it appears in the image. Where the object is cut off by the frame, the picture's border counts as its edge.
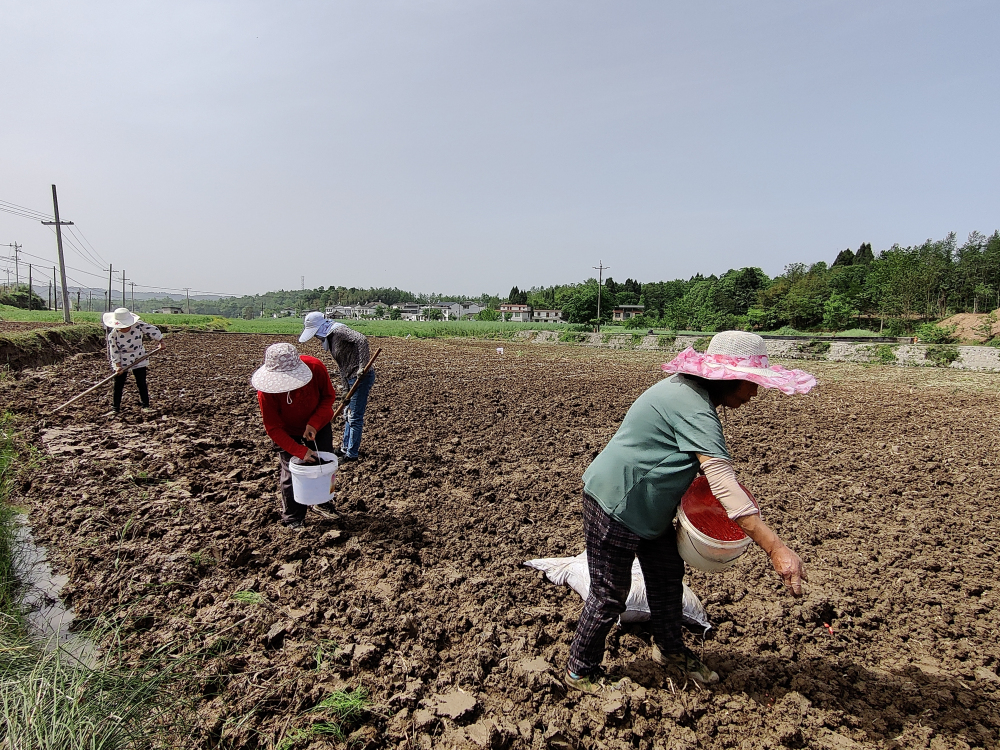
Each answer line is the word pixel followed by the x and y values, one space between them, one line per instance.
pixel 296 401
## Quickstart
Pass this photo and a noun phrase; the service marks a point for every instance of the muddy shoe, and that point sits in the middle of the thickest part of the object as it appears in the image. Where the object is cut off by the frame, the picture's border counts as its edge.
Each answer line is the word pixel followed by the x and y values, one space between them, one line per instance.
pixel 295 525
pixel 326 511
pixel 598 682
pixel 688 664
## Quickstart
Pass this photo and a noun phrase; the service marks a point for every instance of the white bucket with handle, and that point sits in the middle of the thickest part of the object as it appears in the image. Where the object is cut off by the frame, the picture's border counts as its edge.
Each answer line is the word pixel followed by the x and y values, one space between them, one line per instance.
pixel 314 484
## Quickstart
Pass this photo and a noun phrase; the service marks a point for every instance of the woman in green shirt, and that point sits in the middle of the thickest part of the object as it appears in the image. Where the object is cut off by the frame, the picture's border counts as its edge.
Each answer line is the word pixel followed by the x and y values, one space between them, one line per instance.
pixel 632 490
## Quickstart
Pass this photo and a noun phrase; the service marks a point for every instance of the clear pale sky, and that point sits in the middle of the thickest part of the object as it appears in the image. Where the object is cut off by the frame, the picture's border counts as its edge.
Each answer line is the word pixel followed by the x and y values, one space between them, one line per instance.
pixel 462 147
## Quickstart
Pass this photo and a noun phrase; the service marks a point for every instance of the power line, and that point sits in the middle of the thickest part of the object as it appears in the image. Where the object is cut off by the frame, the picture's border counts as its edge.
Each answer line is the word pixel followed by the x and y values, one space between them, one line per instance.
pixel 80 253
pixel 82 250
pixel 79 270
pixel 90 244
pixel 27 213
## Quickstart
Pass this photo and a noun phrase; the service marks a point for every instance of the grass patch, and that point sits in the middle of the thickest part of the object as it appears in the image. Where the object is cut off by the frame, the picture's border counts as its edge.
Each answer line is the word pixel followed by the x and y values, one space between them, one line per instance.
pixel 884 353
pixel 815 348
pixel 942 355
pixel 637 339
pixel 701 344
pixel 666 341
pixel 858 332
pixel 8 525
pixel 50 698
pixel 401 328
pixel 343 709
pixel 248 597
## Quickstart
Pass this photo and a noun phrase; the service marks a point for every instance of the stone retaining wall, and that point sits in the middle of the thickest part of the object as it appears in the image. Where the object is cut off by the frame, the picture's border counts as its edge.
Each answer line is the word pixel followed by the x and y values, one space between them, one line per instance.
pixel 969 357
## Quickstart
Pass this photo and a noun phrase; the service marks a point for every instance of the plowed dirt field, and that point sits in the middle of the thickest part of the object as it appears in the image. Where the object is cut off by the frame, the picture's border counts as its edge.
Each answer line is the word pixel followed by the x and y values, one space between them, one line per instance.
pixel 883 479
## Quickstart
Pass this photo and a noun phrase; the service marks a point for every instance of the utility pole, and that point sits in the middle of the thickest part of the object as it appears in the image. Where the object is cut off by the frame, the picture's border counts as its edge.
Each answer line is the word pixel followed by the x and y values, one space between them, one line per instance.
pixel 62 264
pixel 133 295
pixel 123 287
pixel 78 300
pixel 17 274
pixel 30 290
pixel 303 282
pixel 107 299
pixel 187 295
pixel 90 301
pixel 600 268
pixel 55 289
pixel 50 296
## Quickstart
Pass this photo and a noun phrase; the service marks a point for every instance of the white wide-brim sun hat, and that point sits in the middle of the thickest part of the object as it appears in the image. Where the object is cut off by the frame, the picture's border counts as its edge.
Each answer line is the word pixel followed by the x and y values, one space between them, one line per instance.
pixel 120 318
pixel 739 355
pixel 283 370
pixel 317 324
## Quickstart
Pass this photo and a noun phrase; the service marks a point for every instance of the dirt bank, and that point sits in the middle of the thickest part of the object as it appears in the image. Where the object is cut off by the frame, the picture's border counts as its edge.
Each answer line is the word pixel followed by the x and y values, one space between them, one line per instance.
pixel 37 346
pixel 883 479
pixel 967 326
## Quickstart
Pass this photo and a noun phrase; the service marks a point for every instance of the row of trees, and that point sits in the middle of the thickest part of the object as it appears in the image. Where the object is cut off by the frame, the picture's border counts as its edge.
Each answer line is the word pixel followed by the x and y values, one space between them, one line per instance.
pixel 900 287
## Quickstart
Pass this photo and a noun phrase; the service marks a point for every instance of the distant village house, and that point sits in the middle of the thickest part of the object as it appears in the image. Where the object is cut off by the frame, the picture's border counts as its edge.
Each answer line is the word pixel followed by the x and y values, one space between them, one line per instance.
pixel 516 313
pixel 546 316
pixel 624 312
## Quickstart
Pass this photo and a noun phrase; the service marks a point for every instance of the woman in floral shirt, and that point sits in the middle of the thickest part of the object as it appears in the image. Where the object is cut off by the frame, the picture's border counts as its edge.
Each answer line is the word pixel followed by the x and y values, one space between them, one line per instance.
pixel 125 347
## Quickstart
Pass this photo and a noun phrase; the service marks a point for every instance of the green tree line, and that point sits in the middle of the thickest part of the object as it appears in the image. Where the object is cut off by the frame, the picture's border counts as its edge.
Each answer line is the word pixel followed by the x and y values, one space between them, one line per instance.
pixel 895 290
pixel 898 289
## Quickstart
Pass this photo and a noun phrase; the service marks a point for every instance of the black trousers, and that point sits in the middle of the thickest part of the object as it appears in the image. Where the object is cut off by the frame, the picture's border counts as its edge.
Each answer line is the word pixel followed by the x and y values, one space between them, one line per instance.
pixel 291 510
pixel 140 383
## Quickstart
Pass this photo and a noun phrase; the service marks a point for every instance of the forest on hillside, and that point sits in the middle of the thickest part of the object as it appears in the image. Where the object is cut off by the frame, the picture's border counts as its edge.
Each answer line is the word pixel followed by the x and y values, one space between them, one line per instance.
pixel 894 291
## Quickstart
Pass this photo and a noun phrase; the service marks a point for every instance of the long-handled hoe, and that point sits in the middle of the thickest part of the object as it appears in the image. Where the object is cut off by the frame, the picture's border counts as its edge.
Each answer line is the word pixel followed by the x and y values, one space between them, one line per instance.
pixel 110 377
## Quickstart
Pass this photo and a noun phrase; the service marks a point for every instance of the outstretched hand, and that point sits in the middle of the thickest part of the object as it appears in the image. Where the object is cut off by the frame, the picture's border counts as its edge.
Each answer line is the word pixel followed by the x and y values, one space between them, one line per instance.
pixel 790 568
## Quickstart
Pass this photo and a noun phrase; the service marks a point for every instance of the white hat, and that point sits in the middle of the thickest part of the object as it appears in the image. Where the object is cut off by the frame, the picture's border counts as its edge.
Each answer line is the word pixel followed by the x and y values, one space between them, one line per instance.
pixel 283 370
pixel 738 355
pixel 120 318
pixel 316 324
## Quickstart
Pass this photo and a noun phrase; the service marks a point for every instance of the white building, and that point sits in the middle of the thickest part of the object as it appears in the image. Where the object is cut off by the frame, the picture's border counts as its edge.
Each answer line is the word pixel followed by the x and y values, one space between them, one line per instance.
pixel 516 313
pixel 546 316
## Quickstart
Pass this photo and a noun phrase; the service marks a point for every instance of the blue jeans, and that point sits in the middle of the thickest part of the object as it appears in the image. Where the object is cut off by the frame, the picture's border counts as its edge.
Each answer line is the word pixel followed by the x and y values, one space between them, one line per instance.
pixel 355 413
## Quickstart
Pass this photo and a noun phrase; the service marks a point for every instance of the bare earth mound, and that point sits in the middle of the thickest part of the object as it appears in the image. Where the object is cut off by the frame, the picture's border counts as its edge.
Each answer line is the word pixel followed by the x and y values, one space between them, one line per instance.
pixel 883 479
pixel 966 324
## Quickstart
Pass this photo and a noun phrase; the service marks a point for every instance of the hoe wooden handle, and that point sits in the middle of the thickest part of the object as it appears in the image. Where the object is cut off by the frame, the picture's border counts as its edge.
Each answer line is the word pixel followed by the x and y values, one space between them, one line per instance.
pixel 112 375
pixel 347 398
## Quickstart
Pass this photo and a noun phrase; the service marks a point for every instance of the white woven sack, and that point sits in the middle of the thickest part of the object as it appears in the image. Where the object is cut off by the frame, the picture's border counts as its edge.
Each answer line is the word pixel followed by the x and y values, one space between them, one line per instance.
pixel 573 572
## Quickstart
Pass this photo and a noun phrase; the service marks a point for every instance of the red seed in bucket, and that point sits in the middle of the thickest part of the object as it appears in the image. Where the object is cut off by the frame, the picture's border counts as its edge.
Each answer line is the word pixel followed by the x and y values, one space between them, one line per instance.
pixel 706 513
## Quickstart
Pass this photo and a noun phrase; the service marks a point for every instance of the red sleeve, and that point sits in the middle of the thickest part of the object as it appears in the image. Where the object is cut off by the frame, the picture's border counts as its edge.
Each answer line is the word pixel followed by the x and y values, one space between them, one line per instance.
pixel 275 429
pixel 327 395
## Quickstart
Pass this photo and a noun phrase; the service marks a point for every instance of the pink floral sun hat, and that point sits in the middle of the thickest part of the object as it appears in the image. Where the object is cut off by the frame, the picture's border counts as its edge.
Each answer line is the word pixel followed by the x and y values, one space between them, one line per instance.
pixel 738 355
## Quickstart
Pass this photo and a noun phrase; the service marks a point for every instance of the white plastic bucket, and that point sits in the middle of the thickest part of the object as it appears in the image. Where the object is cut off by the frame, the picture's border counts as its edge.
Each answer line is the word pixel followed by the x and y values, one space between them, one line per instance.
pixel 313 484
pixel 699 549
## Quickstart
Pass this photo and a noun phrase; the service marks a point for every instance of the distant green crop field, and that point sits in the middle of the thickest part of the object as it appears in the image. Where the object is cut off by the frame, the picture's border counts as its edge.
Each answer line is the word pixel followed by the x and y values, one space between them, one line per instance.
pixel 290 326
pixel 56 316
